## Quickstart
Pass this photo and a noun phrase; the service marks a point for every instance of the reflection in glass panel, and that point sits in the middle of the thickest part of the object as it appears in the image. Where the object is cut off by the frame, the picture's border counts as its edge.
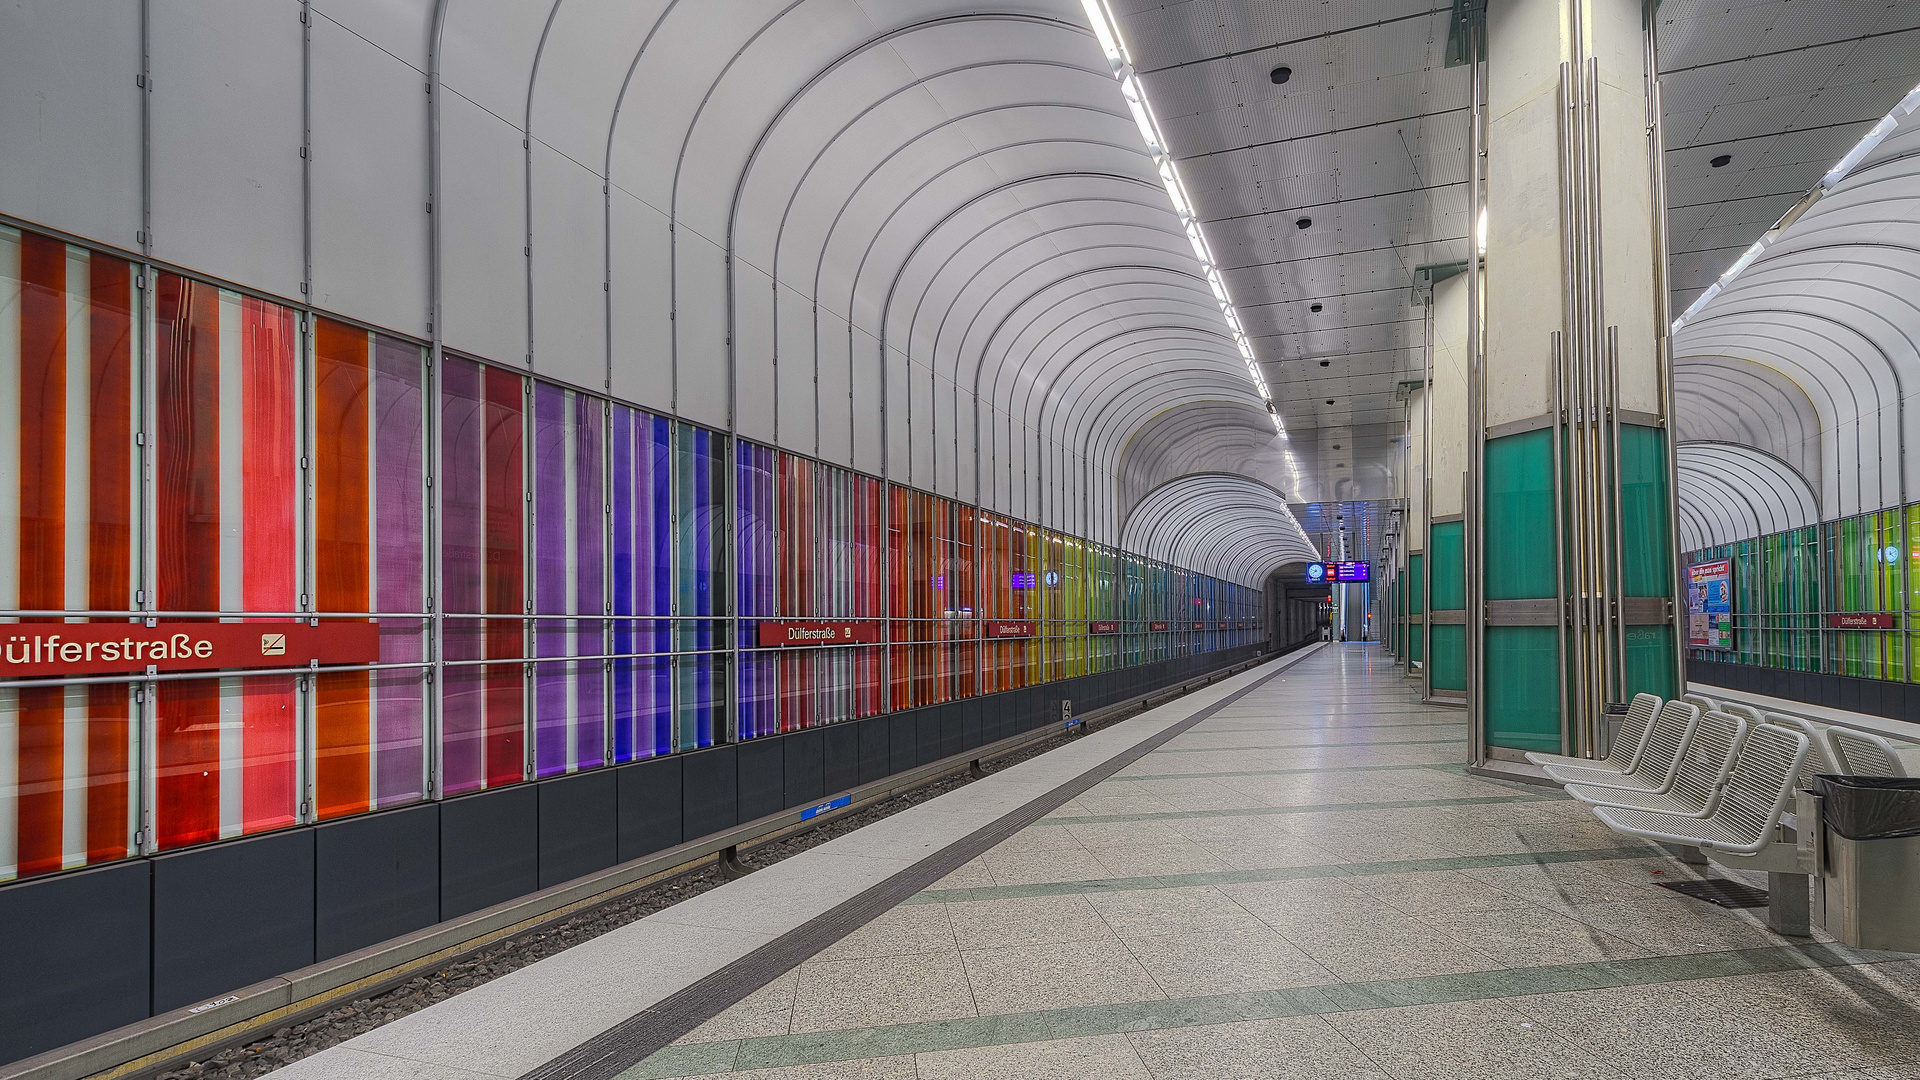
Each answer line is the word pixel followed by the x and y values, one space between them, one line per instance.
pixel 482 500
pixel 68 347
pixel 369 529
pixel 642 584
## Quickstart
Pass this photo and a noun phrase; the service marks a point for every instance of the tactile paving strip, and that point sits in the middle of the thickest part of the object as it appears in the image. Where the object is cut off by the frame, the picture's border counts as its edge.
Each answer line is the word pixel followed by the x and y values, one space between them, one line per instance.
pixel 633 1040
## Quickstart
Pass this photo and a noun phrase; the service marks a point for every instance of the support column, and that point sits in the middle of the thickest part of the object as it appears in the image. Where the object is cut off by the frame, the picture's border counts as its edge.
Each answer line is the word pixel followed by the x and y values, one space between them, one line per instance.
pixel 1446 488
pixel 1412 527
pixel 1571 543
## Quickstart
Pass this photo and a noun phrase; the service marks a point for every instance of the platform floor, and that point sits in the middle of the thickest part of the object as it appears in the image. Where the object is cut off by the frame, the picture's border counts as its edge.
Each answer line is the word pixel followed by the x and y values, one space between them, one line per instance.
pixel 1304 884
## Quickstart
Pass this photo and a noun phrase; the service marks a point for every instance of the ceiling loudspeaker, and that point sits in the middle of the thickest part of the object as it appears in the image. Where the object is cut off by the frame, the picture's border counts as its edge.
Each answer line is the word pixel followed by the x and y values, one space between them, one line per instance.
pixel 1280 74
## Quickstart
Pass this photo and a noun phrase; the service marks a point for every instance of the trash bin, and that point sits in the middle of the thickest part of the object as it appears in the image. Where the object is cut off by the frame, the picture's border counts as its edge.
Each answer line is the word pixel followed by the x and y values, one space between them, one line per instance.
pixel 1867 894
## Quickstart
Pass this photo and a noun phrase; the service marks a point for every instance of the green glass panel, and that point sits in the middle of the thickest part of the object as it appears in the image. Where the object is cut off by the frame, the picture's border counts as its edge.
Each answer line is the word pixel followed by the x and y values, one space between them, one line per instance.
pixel 1449 657
pixel 1519 523
pixel 1650 660
pixel 1646 564
pixel 1523 687
pixel 1447 541
pixel 1416 566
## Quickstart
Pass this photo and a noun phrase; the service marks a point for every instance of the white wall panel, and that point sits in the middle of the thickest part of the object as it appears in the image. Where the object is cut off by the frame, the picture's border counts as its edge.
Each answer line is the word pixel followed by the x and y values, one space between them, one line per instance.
pixel 70 117
pixel 794 341
pixel 868 422
pixel 226 140
pixel 836 391
pixel 898 417
pixel 486 53
pixel 483 232
pixel 569 267
pixel 923 424
pixel 944 448
pixel 642 330
pixel 371 231
pixel 757 416
pixel 963 453
pixel 700 336
pixel 399 27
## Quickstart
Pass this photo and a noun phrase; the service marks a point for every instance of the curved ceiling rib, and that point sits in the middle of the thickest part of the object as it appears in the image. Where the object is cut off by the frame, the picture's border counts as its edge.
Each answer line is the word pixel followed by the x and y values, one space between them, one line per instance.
pixel 1206 436
pixel 1734 492
pixel 919 238
pixel 1221 524
pixel 1792 379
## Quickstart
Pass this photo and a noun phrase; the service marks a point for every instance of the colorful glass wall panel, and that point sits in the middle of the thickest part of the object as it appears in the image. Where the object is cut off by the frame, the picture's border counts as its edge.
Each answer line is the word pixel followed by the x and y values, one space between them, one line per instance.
pixel 569 578
pixel 68 405
pixel 642 584
pixel 369 556
pixel 482 565
pixel 227 533
pixel 700 464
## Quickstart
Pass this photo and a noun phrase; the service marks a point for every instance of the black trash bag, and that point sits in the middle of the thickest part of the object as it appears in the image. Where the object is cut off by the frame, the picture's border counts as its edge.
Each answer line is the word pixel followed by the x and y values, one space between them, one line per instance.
pixel 1871 807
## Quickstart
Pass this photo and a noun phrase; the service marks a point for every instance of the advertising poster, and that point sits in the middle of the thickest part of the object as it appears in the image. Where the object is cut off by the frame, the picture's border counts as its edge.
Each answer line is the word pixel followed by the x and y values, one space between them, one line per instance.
pixel 1710 605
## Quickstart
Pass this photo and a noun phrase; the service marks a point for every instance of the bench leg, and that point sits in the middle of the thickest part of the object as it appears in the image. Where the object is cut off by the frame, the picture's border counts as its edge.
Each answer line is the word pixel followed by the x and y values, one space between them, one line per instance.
pixel 1787 904
pixel 1686 853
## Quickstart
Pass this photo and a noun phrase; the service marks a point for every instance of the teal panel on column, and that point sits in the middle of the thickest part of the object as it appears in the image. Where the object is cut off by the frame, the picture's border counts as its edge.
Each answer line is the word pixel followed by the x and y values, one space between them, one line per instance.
pixel 1447 541
pixel 1523 685
pixel 1415 567
pixel 1646 559
pixel 1650 661
pixel 1522 662
pixel 1519 536
pixel 1646 563
pixel 1449 657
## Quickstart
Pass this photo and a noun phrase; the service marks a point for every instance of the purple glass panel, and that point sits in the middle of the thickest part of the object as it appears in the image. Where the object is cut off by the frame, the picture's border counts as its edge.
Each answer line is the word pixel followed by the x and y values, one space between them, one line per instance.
pixel 399 554
pixel 589 735
pixel 462 589
pixel 551 682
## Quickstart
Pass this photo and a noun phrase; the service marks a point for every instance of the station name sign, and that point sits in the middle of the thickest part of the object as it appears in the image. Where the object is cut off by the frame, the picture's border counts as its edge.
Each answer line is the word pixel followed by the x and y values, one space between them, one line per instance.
pixel 996 629
pixel 39 650
pixel 780 635
pixel 1157 627
pixel 1861 620
pixel 1103 628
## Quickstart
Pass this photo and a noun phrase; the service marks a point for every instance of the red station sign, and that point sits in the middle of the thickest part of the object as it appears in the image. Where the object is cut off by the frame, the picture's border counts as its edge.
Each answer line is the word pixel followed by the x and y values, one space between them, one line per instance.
pixel 1157 627
pixel 786 635
pixel 1103 628
pixel 39 650
pixel 1860 620
pixel 994 628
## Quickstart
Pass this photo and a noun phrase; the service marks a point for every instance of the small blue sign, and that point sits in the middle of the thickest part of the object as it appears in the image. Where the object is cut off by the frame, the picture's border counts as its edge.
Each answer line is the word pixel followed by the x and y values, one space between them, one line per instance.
pixel 816 811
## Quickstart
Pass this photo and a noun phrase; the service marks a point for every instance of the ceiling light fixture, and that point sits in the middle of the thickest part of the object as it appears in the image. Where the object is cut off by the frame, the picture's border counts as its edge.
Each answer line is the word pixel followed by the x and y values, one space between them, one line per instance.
pixel 1106 29
pixel 1828 182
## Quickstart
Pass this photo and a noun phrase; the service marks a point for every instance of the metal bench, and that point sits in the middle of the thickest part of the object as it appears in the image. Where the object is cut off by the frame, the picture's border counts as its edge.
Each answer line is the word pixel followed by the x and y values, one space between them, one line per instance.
pixel 1749 826
pixel 1667 739
pixel 1864 753
pixel 1706 703
pixel 1627 742
pixel 1819 752
pixel 1697 784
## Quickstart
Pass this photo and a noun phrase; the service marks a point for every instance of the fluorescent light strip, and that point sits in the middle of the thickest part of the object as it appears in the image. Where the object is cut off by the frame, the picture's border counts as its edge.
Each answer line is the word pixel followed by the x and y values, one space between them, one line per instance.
pixel 1107 30
pixel 1828 182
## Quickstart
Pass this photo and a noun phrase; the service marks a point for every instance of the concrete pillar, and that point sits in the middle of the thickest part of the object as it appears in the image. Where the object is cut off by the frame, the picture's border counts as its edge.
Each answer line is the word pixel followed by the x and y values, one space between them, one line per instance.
pixel 1445 489
pixel 1410 527
pixel 1570 517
